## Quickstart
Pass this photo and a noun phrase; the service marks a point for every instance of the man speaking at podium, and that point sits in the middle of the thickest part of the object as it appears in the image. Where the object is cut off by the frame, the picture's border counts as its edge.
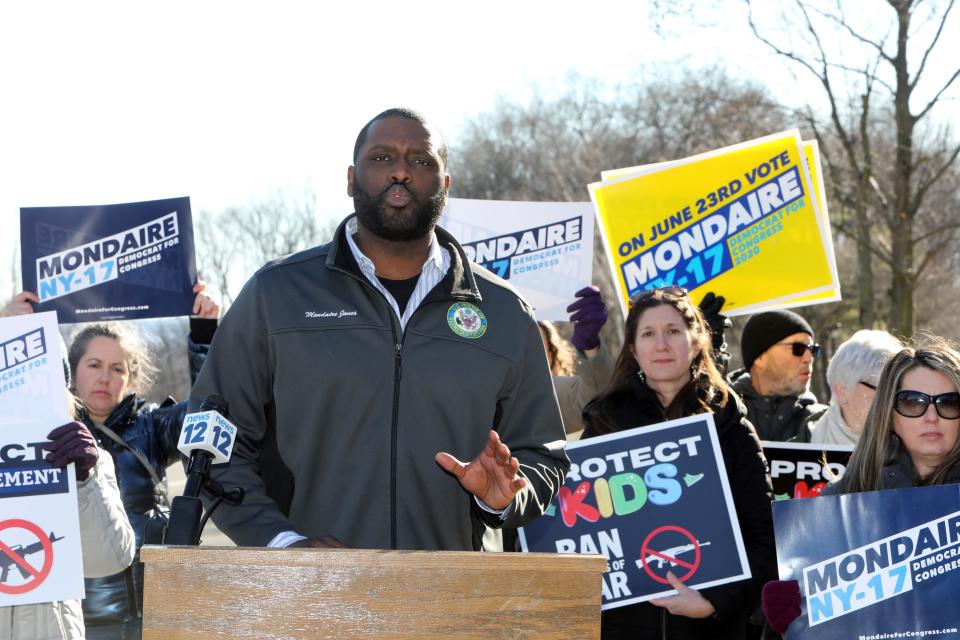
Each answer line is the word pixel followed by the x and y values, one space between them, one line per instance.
pixel 360 374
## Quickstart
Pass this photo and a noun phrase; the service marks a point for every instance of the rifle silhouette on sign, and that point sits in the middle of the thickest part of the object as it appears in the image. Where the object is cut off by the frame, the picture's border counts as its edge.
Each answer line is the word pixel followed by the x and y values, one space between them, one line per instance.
pixel 7 561
pixel 673 552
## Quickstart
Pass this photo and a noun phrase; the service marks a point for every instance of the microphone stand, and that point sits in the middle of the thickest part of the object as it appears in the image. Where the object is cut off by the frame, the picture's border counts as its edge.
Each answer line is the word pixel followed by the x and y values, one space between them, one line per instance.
pixel 187 517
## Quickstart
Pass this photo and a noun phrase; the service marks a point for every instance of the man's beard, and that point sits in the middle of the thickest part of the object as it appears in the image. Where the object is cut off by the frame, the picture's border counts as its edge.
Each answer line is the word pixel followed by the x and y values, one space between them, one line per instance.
pixel 386 222
pixel 785 384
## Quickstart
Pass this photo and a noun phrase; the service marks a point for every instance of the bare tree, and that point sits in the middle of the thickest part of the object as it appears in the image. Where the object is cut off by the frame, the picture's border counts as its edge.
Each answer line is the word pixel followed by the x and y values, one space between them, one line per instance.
pixel 235 242
pixel 551 148
pixel 886 182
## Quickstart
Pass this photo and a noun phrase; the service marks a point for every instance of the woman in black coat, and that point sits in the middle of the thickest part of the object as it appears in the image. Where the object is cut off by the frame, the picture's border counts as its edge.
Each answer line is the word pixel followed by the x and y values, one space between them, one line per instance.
pixel 666 371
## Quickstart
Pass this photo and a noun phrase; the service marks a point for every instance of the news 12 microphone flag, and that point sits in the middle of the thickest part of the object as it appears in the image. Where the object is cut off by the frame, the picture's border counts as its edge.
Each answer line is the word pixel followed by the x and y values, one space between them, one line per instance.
pixel 880 564
pixel 40 554
pixel 748 222
pixel 110 262
pixel 652 499
pixel 543 249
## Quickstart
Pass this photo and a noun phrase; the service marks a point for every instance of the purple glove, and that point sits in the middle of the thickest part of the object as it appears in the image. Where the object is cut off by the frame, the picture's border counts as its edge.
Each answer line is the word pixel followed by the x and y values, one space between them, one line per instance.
pixel 781 603
pixel 588 315
pixel 72 442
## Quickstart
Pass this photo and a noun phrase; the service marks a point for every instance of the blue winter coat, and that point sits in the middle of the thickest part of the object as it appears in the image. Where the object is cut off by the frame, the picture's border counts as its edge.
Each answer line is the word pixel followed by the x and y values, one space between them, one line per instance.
pixel 153 430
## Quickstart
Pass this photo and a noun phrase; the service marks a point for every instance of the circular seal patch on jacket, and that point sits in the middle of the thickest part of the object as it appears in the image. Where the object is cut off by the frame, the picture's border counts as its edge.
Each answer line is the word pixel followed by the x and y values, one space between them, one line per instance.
pixel 466 320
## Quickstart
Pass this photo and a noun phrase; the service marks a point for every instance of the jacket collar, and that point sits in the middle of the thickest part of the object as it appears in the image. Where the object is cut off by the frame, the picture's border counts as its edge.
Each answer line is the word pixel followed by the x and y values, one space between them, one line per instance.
pixel 127 409
pixel 831 428
pixel 643 401
pixel 459 283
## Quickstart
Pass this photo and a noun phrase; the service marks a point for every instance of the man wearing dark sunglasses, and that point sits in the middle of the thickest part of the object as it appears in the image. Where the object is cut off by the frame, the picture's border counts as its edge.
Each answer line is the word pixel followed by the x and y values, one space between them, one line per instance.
pixel 778 354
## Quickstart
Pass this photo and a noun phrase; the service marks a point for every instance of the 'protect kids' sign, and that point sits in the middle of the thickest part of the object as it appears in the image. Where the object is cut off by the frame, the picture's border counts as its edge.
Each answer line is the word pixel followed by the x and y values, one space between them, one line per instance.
pixel 652 499
pixel 881 564
pixel 119 261
pixel 743 221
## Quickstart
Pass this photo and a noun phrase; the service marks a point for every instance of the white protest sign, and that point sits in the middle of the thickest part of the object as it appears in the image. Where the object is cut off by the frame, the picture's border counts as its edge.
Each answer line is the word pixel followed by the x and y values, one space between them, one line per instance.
pixel 543 249
pixel 40 555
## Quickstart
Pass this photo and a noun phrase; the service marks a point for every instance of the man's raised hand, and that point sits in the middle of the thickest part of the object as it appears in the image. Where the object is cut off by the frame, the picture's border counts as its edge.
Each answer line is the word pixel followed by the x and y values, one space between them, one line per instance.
pixel 492 476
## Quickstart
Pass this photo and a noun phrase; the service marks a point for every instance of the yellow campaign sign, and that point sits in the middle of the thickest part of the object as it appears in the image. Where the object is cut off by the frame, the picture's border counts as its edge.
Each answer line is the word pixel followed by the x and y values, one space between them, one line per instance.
pixel 811 152
pixel 745 222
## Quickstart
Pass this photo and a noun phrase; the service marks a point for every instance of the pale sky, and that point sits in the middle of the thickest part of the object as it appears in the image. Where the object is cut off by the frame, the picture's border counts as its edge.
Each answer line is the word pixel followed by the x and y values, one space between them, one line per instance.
pixel 226 102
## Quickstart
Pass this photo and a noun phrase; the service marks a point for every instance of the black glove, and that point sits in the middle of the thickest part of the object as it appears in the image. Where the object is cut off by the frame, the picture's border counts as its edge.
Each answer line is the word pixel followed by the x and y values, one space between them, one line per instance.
pixel 710 307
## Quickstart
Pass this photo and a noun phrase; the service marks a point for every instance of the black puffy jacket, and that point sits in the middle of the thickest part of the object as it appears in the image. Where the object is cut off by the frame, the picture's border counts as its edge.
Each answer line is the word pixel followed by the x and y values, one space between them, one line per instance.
pixel 154 431
pixel 778 418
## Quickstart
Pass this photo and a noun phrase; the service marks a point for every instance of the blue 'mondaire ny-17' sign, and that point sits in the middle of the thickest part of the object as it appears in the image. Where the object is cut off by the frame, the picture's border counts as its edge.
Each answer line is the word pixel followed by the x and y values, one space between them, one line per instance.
pixel 118 261
pixel 652 499
pixel 873 564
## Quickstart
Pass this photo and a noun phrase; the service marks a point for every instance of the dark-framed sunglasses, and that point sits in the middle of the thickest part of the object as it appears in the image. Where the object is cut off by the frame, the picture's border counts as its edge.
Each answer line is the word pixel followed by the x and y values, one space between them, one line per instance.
pixel 649 293
pixel 913 404
pixel 799 348
pixel 869 385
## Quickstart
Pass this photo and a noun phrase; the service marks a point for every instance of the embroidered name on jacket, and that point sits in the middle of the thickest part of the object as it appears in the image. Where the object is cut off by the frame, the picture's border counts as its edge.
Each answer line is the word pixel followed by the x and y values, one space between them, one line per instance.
pixel 329 314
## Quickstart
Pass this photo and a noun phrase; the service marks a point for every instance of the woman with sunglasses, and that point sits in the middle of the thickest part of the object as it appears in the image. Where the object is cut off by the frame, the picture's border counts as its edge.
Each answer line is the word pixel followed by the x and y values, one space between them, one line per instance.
pixel 910 439
pixel 666 370
pixel 910 435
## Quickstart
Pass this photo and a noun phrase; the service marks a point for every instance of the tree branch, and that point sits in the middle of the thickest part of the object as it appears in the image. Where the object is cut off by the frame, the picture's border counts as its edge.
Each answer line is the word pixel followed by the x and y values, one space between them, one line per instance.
pixel 921 191
pixel 935 98
pixel 882 252
pixel 938 231
pixel 933 43
pixel 927 259
pixel 841 22
pixel 782 52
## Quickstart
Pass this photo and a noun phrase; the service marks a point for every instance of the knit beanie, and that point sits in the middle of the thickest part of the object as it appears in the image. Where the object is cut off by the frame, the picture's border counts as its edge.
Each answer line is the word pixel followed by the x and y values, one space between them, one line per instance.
pixel 764 330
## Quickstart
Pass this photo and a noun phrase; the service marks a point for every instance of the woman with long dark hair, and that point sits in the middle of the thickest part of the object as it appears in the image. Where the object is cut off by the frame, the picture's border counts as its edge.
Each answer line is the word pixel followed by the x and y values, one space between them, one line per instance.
pixel 665 371
pixel 910 438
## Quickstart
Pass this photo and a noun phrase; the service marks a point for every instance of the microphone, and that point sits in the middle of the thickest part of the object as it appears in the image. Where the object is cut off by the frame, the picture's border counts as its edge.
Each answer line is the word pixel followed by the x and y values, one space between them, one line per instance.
pixel 206 438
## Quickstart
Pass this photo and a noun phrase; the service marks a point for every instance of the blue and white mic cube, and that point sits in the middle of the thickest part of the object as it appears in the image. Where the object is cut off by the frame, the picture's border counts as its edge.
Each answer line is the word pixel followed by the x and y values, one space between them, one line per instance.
pixel 207 431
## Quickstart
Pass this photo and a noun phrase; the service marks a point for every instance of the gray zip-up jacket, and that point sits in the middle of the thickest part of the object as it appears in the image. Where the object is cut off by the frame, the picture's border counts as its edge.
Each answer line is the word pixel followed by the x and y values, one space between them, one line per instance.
pixel 321 380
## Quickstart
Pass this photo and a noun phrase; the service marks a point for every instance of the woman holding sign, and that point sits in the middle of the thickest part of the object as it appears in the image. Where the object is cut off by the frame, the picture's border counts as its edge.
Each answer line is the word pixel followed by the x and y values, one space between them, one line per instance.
pixel 665 371
pixel 111 370
pixel 910 438
pixel 107 540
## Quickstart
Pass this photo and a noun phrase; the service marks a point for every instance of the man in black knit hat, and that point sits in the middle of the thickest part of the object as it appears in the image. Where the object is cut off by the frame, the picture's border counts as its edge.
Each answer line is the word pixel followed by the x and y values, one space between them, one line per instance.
pixel 778 354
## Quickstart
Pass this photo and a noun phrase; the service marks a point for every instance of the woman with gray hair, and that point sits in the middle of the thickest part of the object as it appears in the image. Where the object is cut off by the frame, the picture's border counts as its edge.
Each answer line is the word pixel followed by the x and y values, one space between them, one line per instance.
pixel 852 375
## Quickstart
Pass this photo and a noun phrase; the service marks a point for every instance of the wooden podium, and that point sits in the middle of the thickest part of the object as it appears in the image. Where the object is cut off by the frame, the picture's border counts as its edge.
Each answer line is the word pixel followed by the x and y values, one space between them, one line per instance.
pixel 235 592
